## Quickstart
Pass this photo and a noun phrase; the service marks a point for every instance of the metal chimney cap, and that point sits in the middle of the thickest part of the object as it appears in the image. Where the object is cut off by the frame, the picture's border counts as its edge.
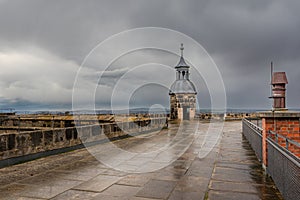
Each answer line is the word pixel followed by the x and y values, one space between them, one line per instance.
pixel 279 78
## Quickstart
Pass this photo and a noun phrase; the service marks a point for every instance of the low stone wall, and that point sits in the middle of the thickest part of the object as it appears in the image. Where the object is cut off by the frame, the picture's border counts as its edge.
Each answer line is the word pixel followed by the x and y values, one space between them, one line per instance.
pixel 227 116
pixel 14 145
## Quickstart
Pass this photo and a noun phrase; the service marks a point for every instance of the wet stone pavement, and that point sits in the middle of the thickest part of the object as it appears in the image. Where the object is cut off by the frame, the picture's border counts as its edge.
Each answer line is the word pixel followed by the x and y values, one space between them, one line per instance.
pixel 178 163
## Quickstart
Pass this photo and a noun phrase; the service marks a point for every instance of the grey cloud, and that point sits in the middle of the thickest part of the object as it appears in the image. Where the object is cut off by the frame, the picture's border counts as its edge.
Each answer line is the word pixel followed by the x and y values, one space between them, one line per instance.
pixel 242 37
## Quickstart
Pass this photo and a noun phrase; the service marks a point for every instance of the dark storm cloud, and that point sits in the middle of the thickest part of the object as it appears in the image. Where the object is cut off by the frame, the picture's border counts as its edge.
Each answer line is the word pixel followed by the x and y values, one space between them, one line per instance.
pixel 242 37
pixel 67 28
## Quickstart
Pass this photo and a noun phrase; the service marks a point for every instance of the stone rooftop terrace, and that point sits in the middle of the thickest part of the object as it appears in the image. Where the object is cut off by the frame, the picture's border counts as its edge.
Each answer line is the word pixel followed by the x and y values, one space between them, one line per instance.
pixel 229 171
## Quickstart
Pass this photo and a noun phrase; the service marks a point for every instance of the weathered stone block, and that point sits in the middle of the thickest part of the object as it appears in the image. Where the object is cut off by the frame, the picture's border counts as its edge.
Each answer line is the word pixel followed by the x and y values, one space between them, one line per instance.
pixel 96 130
pixel 59 135
pixel 69 133
pixel 36 138
pixel 3 142
pixel 48 137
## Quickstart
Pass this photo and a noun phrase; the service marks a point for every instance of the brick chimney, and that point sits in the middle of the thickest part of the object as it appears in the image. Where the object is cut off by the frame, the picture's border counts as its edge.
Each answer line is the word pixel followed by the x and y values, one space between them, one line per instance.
pixel 279 82
pixel 279 119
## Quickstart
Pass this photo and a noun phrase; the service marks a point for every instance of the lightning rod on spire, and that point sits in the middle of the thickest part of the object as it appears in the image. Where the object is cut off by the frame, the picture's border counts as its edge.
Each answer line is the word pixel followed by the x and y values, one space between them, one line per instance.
pixel 181 48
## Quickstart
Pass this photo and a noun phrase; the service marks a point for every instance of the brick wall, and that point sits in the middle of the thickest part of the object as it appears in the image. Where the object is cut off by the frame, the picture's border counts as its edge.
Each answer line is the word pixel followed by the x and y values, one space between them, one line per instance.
pixel 288 127
pixel 286 124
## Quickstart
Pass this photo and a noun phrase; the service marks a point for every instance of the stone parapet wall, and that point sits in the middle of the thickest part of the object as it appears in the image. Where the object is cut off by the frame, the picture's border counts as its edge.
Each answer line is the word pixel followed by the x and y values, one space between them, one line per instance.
pixel 31 142
pixel 227 116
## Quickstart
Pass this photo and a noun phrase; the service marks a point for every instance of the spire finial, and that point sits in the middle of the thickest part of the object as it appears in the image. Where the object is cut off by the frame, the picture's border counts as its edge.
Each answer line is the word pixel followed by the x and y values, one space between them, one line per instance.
pixel 181 49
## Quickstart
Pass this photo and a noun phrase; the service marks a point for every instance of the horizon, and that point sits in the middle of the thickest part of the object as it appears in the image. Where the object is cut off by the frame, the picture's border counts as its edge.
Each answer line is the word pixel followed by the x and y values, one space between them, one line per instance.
pixel 132 111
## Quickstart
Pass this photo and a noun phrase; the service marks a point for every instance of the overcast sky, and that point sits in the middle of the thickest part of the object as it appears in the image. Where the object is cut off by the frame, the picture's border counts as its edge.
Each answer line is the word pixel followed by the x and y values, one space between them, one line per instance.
pixel 44 43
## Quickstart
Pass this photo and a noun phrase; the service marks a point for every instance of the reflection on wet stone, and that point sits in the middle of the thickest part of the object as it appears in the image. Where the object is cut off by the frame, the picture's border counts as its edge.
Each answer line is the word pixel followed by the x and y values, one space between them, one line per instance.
pixel 158 189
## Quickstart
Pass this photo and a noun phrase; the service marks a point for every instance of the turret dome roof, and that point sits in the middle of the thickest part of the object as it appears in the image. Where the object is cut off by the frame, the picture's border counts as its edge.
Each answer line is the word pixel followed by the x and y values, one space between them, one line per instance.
pixel 182 86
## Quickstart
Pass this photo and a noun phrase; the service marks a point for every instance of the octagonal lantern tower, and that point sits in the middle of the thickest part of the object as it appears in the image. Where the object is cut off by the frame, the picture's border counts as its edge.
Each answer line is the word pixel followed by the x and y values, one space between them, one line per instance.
pixel 182 93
